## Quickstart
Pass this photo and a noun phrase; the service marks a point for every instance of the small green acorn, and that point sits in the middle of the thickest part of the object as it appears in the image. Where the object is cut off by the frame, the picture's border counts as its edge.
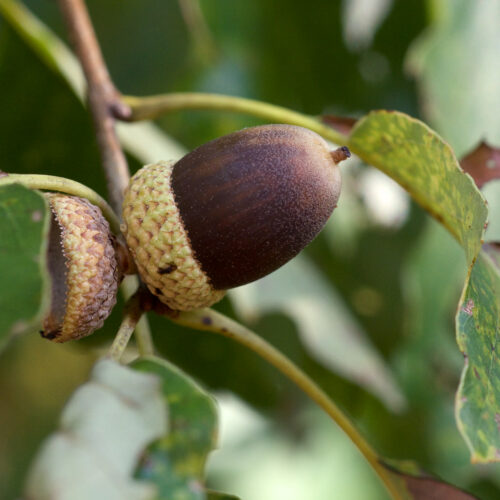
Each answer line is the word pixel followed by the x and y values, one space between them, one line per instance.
pixel 229 212
pixel 83 269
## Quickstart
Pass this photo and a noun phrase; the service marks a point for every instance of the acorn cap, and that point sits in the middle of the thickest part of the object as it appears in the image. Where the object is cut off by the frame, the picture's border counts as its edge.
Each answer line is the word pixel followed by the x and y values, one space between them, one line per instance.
pixel 229 212
pixel 82 266
pixel 159 243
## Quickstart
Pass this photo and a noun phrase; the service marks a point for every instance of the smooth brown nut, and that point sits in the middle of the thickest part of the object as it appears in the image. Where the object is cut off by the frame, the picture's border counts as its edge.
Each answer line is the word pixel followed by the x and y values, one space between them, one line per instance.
pixel 83 269
pixel 229 212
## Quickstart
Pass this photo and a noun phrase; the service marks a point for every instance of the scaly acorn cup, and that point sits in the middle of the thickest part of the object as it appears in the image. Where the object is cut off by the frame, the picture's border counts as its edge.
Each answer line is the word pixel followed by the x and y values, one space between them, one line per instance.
pixel 229 212
pixel 83 269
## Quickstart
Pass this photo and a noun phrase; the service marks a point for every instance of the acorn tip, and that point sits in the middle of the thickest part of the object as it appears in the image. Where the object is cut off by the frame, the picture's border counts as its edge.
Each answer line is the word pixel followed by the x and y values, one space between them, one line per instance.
pixel 340 154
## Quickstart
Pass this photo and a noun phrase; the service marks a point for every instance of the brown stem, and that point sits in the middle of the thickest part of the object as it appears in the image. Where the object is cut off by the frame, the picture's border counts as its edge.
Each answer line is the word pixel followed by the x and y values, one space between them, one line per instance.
pixel 131 316
pixel 106 106
pixel 104 100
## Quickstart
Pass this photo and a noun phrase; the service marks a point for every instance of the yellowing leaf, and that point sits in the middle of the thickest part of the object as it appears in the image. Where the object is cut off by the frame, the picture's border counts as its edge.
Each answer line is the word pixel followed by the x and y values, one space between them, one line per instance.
pixel 418 159
pixel 425 165
pixel 478 332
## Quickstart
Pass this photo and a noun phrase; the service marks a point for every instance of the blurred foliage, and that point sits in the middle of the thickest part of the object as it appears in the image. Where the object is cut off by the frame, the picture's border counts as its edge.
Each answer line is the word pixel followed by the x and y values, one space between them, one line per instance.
pixel 400 282
pixel 323 324
pixel 212 495
pixel 456 61
pixel 86 459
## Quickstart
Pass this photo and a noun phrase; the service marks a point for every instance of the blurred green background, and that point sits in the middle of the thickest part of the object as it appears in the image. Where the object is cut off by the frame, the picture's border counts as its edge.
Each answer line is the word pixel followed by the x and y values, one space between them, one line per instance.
pixel 371 315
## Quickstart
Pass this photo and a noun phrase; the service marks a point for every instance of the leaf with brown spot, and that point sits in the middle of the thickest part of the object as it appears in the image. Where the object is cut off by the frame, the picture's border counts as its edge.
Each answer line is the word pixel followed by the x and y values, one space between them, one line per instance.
pixel 482 164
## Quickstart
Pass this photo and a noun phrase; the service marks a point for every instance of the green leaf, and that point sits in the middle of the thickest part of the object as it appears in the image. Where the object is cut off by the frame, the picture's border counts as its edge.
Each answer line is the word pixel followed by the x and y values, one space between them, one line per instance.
pixel 478 397
pixel 176 462
pixel 457 65
pixel 414 484
pixel 102 432
pixel 25 286
pixel 323 322
pixel 418 159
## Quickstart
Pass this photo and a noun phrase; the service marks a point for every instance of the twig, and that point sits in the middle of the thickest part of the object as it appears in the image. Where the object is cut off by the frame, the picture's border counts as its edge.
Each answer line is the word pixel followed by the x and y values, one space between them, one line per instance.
pixel 143 338
pixel 131 316
pixel 103 98
pixel 142 108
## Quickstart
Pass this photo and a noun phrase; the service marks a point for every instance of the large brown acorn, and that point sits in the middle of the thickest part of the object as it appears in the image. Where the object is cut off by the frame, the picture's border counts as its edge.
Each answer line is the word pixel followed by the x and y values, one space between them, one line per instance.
pixel 229 212
pixel 83 268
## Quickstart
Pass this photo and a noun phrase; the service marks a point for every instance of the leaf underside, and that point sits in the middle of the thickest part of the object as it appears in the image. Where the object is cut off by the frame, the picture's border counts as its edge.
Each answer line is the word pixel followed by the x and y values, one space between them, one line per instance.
pixel 103 429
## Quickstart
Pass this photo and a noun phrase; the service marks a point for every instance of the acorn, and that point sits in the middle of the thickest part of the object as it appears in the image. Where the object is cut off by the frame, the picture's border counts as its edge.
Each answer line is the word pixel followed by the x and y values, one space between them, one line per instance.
pixel 83 269
pixel 229 212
